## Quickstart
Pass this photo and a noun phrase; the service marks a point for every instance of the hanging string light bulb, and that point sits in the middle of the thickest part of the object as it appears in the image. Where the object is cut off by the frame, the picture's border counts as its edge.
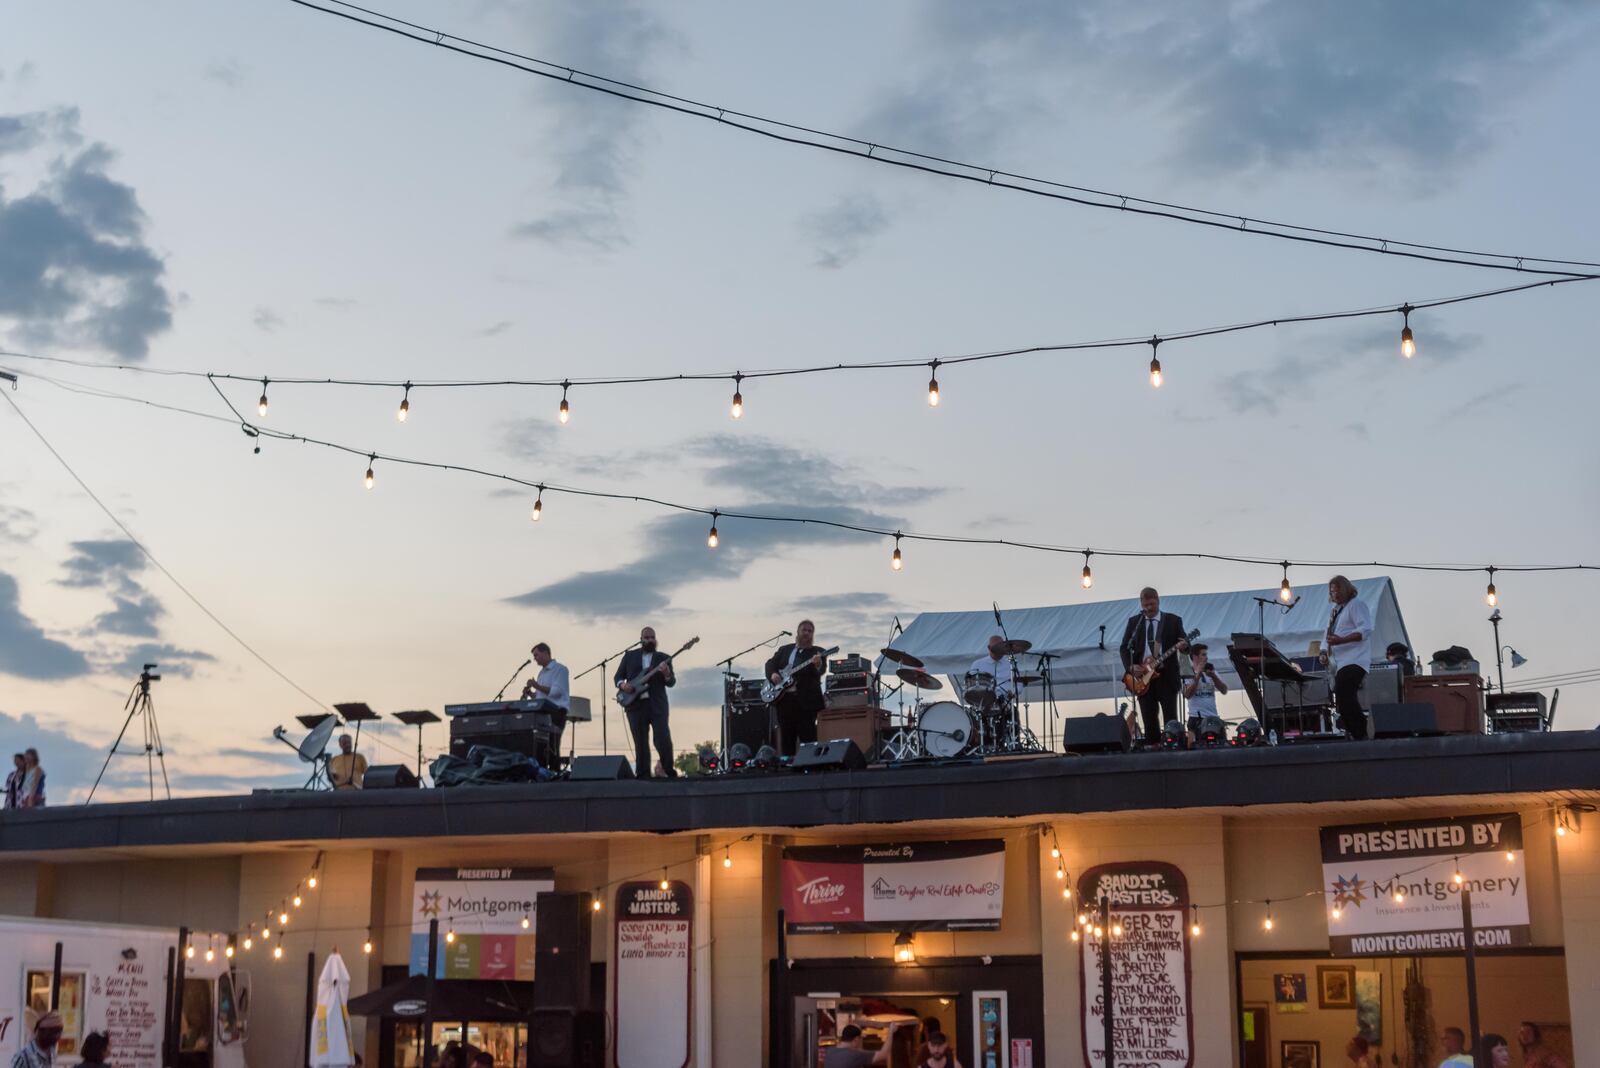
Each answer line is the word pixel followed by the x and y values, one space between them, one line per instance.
pixel 933 384
pixel 1155 363
pixel 565 411
pixel 1061 871
pixel 366 947
pixel 450 932
pixel 1055 850
pixel 1285 591
pixel 896 561
pixel 296 899
pixel 595 903
pixel 727 857
pixel 1399 896
pixel 311 880
pixel 711 538
pixel 283 918
pixel 227 950
pixel 277 950
pixel 250 938
pixel 1075 934
pixel 1066 893
pixel 1088 576
pixel 211 954
pixel 1116 930
pixel 188 951
pixel 1194 922
pixel 1336 911
pixel 1266 924
pixel 372 458
pixel 737 409
pixel 666 884
pixel 527 921
pixel 1458 878
pixel 1490 597
pixel 1408 342
pixel 261 405
pixel 538 504
pixel 405 404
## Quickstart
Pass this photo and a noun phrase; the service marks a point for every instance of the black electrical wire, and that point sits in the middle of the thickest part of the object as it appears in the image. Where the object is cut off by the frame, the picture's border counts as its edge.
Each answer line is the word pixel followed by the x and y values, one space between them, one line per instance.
pixel 795 134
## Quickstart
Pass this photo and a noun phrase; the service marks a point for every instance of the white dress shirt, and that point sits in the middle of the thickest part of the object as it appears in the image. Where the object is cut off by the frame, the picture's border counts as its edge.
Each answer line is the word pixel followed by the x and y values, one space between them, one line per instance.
pixel 1005 679
pixel 1354 616
pixel 555 676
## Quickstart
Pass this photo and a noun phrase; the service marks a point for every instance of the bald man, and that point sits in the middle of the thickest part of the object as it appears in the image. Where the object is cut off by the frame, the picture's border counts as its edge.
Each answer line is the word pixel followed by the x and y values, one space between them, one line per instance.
pixel 649 713
pixel 995 662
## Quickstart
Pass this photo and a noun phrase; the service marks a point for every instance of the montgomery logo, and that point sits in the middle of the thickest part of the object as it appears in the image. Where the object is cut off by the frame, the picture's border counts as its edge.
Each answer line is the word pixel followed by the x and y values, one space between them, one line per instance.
pixel 820 891
pixel 882 891
pixel 1347 891
pixel 430 903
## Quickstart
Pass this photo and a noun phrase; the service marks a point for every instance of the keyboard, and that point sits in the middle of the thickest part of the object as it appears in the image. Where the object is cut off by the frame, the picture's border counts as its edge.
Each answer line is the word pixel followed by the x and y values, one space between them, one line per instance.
pixel 486 708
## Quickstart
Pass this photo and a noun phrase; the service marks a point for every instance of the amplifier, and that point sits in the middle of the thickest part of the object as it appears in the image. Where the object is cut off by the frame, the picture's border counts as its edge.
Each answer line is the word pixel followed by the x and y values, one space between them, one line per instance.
pixel 528 733
pixel 849 699
pixel 849 681
pixel 854 664
pixel 750 724
pixel 863 725
pixel 741 691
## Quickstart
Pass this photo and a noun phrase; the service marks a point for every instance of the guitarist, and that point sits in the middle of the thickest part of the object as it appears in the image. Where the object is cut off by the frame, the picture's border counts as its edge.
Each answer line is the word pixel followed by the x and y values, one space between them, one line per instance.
pixel 797 709
pixel 1148 635
pixel 649 712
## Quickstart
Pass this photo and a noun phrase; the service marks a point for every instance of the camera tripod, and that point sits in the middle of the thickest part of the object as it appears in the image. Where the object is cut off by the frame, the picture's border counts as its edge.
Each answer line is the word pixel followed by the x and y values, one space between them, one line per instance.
pixel 141 704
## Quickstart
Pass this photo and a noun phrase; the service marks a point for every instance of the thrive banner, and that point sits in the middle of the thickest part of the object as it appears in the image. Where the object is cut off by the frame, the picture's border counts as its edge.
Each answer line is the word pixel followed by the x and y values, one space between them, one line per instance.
pixel 1394 884
pixel 910 886
pixel 491 911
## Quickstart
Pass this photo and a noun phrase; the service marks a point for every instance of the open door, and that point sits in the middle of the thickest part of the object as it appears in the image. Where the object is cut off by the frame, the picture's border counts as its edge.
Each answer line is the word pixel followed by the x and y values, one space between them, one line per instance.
pixel 1253 1044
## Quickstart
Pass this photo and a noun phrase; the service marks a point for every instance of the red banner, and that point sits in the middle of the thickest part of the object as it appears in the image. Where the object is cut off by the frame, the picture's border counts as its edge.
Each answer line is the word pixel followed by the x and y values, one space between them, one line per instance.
pixel 910 886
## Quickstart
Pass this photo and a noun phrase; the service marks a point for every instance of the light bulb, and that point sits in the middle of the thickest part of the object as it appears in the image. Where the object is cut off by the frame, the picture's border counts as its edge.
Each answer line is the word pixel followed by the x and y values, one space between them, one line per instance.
pixel 1075 934
pixel 450 936
pixel 249 943
pixel 1337 912
pixel 737 409
pixel 1510 855
pixel 933 385
pixel 297 901
pixel 1061 873
pixel 1194 929
pixel 405 409
pixel 1155 372
pixel 1408 341
pixel 727 860
pixel 564 412
pixel 283 919
pixel 1561 830
pixel 228 952
pixel 1116 930
pixel 595 904
pixel 538 505
pixel 1458 878
pixel 211 954
pixel 526 923
pixel 1066 893
pixel 277 951
pixel 370 461
pixel 1055 852
pixel 312 881
pixel 1097 932
pixel 366 947
pixel 1399 897
pixel 1285 591
pixel 188 952
pixel 1490 597
pixel 711 538
pixel 1267 923
pixel 896 562
pixel 665 885
pixel 1088 576
pixel 261 405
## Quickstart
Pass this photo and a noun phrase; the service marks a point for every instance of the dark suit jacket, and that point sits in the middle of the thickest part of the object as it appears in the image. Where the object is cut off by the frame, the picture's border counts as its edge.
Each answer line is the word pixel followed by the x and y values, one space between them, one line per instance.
pixel 1169 631
pixel 807 692
pixel 656 694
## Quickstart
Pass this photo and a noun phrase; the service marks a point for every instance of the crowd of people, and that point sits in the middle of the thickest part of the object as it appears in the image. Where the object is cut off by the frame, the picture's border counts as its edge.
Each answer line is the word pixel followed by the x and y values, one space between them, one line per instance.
pixel 25 784
pixel 1492 1051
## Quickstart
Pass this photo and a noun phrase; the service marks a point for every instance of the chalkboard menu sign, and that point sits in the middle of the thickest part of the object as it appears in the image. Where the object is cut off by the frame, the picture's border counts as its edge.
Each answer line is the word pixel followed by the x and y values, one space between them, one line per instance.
pixel 1152 1015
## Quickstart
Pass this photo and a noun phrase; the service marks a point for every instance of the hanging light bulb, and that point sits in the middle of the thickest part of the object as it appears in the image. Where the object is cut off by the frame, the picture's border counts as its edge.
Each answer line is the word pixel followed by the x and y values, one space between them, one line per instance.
pixel 1457 878
pixel 933 384
pixel 1083 919
pixel 1061 872
pixel 450 933
pixel 1088 576
pixel 1561 829
pixel 405 404
pixel 211 954
pixel 261 405
pixel 1490 597
pixel 526 923
pixel 283 918
pixel 1097 932
pixel 297 901
pixel 1116 930
pixel 1055 852
pixel 372 458
pixel 249 943
pixel 1285 591
pixel 311 880
pixel 277 950
pixel 188 951
pixel 1510 856
pixel 366 947
pixel 1155 363
pixel 1194 923
pixel 1408 343
pixel 595 904
pixel 1075 934
pixel 538 505
pixel 711 538
pixel 665 882
pixel 565 411
pixel 896 561
pixel 227 951
pixel 1266 924
pixel 737 409
pixel 727 857
pixel 1336 912
pixel 1399 896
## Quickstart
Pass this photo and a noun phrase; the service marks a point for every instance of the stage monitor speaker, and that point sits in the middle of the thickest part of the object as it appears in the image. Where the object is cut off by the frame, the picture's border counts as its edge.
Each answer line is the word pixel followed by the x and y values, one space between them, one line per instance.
pixel 750 724
pixel 837 754
pixel 1098 733
pixel 566 1038
pixel 561 951
pixel 389 777
pixel 1412 720
pixel 600 767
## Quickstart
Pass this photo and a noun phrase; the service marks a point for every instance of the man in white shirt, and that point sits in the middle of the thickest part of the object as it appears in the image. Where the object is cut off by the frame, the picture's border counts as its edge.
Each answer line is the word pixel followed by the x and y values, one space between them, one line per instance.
pixel 1454 1041
pixel 1201 690
pixel 1349 647
pixel 996 663
pixel 553 689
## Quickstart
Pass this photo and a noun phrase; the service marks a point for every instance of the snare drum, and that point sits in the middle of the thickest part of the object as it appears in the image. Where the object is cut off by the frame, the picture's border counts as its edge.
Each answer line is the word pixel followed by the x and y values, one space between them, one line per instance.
pixel 978 690
pixel 945 729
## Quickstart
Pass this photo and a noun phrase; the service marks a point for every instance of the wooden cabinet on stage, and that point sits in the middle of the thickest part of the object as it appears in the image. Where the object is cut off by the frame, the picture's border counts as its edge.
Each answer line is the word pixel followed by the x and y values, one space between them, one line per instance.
pixel 861 725
pixel 1457 700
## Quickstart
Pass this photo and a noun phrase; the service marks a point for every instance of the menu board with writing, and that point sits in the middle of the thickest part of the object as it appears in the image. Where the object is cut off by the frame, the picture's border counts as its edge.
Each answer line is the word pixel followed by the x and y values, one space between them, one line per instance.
pixel 652 954
pixel 132 995
pixel 1152 1018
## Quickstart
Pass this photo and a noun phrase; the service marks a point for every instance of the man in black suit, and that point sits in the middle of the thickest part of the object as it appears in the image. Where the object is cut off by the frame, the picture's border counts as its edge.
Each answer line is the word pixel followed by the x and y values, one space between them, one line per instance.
pixel 1149 634
pixel 797 710
pixel 648 712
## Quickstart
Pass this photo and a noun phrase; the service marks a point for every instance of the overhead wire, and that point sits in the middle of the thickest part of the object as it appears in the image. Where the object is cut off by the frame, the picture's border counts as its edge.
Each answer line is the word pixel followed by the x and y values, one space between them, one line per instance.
pixel 980 174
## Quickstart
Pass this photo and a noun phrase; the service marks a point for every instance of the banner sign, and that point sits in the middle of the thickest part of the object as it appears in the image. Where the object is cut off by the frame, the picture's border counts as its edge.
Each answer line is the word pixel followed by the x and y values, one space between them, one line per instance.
pixel 1395 887
pixel 486 907
pixel 1152 1014
pixel 652 950
pixel 912 886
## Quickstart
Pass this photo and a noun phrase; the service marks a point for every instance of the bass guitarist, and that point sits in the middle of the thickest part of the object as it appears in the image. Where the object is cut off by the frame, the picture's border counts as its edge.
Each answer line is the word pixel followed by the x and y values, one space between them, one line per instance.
pixel 650 712
pixel 1150 634
pixel 798 707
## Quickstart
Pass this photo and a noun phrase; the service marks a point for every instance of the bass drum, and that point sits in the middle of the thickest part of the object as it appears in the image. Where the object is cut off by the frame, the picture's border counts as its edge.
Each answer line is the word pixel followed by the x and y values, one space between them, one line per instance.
pixel 945 729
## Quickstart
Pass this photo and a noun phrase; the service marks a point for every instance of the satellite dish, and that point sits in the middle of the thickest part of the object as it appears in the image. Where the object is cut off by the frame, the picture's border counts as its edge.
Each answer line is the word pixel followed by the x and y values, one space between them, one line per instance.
pixel 316 742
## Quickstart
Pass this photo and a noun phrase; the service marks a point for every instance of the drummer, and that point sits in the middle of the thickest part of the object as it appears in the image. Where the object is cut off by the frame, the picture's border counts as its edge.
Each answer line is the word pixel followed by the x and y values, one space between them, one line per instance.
pixel 997 663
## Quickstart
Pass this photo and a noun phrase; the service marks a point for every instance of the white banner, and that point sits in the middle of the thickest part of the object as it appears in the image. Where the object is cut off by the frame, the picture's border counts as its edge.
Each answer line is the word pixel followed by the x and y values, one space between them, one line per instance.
pixel 651 955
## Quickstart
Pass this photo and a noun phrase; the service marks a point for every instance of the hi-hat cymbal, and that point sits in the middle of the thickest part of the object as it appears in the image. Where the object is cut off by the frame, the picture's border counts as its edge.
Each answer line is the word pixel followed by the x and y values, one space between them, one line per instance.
pixel 900 656
pixel 1014 647
pixel 1029 680
pixel 920 679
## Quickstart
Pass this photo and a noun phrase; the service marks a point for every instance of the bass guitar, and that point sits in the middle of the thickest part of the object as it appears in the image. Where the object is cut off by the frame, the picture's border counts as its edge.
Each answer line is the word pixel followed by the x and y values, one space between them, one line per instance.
pixel 771 691
pixel 1139 678
pixel 641 682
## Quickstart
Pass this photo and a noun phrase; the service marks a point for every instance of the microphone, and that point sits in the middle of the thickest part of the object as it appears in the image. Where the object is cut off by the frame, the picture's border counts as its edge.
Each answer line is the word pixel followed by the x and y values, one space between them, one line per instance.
pixel 786 634
pixel 997 615
pixel 897 625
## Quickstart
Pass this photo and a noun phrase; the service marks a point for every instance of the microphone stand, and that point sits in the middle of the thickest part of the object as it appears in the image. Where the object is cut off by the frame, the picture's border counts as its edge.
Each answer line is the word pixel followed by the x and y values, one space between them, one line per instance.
pixel 727 673
pixel 605 744
pixel 502 694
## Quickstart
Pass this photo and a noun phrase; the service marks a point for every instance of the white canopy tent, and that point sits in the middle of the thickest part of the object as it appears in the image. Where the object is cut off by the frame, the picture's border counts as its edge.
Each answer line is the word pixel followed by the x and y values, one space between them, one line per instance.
pixel 1083 638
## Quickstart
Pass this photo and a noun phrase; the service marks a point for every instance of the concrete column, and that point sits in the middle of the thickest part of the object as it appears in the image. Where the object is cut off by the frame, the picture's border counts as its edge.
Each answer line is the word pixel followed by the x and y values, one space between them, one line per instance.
pixel 1578 862
pixel 739 967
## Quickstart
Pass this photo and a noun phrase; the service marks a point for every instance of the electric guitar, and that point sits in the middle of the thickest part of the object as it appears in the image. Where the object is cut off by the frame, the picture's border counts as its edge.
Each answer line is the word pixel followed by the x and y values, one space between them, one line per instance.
pixel 1139 677
pixel 771 691
pixel 641 682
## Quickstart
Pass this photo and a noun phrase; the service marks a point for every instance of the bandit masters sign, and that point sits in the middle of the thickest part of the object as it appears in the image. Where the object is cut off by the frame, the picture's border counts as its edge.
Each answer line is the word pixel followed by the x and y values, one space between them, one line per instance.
pixel 1395 887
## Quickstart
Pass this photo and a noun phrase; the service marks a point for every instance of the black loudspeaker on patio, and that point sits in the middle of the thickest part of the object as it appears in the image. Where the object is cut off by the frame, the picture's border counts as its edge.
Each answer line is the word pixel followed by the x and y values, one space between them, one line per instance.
pixel 389 777
pixel 1098 733
pixel 1412 720
pixel 561 951
pixel 600 767
pixel 837 754
pixel 566 1038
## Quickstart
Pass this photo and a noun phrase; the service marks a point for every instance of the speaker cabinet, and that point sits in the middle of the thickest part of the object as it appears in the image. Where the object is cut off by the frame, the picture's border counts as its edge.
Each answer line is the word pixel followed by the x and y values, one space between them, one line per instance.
pixel 561 951
pixel 837 754
pixel 592 768
pixel 748 724
pixel 1415 720
pixel 566 1038
pixel 389 777
pixel 1098 733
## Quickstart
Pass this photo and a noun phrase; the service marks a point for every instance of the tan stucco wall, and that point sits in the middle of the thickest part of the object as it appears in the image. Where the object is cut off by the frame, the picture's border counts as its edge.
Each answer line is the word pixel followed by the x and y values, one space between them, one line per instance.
pixel 1578 860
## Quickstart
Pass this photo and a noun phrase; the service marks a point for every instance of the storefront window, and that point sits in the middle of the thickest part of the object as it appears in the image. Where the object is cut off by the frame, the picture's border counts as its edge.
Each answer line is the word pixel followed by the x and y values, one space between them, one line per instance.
pixel 507 1043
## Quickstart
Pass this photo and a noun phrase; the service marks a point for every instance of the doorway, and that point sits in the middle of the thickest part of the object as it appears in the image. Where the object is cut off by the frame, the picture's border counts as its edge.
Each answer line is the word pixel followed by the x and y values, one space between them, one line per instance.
pixel 819 1018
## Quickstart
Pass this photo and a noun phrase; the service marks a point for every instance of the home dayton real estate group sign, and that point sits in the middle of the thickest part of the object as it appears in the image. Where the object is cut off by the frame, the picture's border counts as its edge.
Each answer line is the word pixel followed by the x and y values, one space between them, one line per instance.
pixel 910 886
pixel 1395 888
pixel 486 908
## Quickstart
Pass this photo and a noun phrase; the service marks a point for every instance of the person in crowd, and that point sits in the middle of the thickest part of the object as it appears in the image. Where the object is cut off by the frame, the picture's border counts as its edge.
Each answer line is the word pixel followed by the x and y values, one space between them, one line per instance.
pixel 937 1053
pixel 19 770
pixel 847 1052
pixel 1348 647
pixel 1202 689
pixel 1359 1050
pixel 1453 1039
pixel 347 770
pixel 1493 1052
pixel 95 1048
pixel 1535 1054
pixel 484 1059
pixel 32 795
pixel 40 1050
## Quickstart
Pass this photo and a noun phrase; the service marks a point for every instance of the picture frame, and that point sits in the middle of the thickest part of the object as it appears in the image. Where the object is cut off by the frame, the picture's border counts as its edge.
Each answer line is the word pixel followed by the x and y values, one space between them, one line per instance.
pixel 1300 1053
pixel 1289 988
pixel 1336 986
pixel 991 1031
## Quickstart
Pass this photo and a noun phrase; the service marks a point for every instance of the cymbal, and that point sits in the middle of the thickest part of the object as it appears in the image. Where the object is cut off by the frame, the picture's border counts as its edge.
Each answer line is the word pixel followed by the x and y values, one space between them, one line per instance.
pixel 900 656
pixel 1029 680
pixel 1014 646
pixel 920 679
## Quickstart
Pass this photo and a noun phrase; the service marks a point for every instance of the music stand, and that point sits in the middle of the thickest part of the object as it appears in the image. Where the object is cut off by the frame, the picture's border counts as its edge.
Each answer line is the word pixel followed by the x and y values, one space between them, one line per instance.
pixel 357 712
pixel 311 721
pixel 417 718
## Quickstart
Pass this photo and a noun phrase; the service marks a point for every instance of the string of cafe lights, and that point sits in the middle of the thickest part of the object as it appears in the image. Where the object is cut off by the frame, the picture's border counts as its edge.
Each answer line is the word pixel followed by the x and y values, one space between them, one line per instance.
pixel 905 159
pixel 569 385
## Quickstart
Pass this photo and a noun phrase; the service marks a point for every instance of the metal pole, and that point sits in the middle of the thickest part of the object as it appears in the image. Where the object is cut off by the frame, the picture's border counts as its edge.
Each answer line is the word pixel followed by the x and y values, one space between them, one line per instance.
pixel 179 971
pixel 311 1002
pixel 1472 964
pixel 1499 660
pixel 780 998
pixel 167 1054
pixel 55 981
pixel 427 1012
pixel 1106 1010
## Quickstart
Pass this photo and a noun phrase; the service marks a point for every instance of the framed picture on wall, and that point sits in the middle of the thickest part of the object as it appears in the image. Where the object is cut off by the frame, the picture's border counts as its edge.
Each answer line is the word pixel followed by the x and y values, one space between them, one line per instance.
pixel 1336 986
pixel 1289 988
pixel 1300 1054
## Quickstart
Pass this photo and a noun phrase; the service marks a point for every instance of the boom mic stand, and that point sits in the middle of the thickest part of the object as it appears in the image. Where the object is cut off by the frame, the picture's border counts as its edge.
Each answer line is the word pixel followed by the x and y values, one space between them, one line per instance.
pixel 502 694
pixel 141 704
pixel 605 744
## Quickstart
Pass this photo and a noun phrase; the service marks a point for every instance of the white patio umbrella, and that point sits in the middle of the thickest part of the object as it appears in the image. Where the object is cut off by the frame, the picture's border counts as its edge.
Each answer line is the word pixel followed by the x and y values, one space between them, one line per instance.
pixel 330 1030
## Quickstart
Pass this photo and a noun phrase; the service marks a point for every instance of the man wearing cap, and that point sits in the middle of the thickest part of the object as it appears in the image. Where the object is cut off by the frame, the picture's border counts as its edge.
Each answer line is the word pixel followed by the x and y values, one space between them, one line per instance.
pixel 40 1051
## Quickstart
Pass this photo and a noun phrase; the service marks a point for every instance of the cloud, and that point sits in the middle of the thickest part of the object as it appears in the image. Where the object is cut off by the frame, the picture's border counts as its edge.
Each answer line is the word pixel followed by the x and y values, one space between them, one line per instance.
pixel 169 659
pixel 1490 398
pixel 226 72
pixel 698 687
pixel 497 329
pixel 266 319
pixel 841 231
pixel 132 616
pixel 338 304
pixel 16 524
pixel 106 563
pixel 25 651
pixel 856 621
pixel 594 138
pixel 112 565
pixel 74 267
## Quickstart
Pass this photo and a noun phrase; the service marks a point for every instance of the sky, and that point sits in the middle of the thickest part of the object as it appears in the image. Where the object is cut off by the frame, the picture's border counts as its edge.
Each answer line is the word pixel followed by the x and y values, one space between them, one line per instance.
pixel 269 191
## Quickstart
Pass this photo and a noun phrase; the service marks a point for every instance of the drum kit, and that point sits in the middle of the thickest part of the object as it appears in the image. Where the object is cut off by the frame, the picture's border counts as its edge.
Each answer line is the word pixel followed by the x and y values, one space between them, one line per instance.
pixel 986 720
